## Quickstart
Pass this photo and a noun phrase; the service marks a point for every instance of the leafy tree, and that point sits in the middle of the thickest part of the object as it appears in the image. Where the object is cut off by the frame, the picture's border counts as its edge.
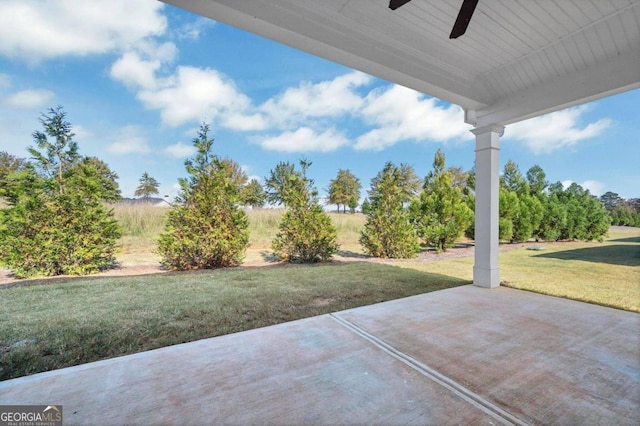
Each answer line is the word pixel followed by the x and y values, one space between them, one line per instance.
pixel 277 184
pixel 441 214
pixel 554 218
pixel 98 172
pixel 10 167
pixel 611 200
pixel 625 215
pixel 536 178
pixel 353 204
pixel 345 190
pixel 57 223
pixel 528 217
pixel 148 186
pixel 388 232
pixel 366 207
pixel 508 206
pixel 520 210
pixel 205 228
pixel 236 174
pixel 305 233
pixel 253 194
pixel 587 219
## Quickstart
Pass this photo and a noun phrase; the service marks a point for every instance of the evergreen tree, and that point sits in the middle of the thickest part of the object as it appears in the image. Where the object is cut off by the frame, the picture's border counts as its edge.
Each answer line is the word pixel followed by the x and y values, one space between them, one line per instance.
pixel 388 232
pixel 11 167
pixel 205 228
pixel 345 190
pixel 57 223
pixel 237 176
pixel 305 233
pixel 277 184
pixel 611 200
pixel 253 194
pixel 521 211
pixel 98 172
pixel 148 186
pixel 441 214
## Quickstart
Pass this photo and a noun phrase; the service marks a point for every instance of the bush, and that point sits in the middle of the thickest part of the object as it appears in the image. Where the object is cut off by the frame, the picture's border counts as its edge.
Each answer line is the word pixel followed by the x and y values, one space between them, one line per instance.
pixel 306 233
pixel 441 214
pixel 388 232
pixel 205 228
pixel 56 222
pixel 46 235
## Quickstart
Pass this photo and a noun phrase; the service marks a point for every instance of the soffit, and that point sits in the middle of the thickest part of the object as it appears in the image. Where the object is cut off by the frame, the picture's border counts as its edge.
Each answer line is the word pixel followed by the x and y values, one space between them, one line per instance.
pixel 518 59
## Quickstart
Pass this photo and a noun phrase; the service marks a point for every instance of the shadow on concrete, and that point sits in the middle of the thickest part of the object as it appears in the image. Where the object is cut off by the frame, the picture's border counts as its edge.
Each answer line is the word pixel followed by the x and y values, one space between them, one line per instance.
pixel 617 254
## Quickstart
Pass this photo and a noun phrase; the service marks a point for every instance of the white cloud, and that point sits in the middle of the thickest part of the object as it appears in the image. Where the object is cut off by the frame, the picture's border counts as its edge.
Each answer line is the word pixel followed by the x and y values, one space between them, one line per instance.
pixel 134 71
pixel 32 98
pixel 195 94
pixel 557 130
pixel 194 29
pixel 399 113
pixel 35 30
pixel 305 140
pixel 325 99
pixel 180 150
pixel 129 140
pixel 595 188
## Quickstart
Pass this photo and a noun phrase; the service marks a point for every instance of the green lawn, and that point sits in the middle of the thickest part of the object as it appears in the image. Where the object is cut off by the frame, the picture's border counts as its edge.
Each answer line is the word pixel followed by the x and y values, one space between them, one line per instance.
pixel 606 273
pixel 55 323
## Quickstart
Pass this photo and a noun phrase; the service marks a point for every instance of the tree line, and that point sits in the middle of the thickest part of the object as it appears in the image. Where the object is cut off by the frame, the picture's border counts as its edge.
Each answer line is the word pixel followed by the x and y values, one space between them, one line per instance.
pixel 57 220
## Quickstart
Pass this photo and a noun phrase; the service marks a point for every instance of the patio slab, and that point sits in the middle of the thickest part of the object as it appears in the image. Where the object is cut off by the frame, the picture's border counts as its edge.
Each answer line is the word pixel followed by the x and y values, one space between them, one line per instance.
pixel 460 356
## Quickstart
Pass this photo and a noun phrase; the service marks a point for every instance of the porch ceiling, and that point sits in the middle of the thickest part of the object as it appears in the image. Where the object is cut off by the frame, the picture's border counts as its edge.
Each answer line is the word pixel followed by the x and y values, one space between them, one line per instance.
pixel 518 59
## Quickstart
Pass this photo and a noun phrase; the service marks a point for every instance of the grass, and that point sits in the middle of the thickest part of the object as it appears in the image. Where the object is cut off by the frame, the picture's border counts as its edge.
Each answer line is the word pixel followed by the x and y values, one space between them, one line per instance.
pixel 605 273
pixel 49 324
pixel 73 321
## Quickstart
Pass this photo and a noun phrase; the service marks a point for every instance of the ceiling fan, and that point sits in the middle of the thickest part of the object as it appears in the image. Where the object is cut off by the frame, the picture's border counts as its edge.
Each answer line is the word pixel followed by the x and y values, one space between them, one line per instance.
pixel 462 21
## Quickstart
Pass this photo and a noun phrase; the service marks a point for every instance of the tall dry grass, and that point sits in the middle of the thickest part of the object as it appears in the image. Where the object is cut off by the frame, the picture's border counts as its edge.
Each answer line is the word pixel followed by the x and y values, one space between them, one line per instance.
pixel 147 222
pixel 140 220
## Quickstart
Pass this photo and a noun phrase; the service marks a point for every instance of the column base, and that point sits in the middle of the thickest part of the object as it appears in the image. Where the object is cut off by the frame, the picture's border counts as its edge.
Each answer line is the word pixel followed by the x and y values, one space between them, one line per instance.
pixel 486 278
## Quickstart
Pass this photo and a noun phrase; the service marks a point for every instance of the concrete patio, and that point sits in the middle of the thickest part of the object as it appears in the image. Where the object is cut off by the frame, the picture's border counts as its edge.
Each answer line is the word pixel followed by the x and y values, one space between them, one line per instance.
pixel 460 356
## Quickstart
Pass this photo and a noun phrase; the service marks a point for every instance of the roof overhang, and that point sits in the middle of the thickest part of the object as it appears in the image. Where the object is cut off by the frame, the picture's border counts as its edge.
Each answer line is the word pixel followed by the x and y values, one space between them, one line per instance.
pixel 517 60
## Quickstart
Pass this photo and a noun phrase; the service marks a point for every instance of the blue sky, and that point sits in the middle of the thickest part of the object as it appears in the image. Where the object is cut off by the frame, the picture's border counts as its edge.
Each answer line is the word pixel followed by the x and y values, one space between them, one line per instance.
pixel 137 78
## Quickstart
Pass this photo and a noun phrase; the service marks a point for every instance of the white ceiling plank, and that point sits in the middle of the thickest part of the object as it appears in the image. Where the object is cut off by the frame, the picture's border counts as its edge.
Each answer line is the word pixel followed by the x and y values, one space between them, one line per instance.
pixel 517 59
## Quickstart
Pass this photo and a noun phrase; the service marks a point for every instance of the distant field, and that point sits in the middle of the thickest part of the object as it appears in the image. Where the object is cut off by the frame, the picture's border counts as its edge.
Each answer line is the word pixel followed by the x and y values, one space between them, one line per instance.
pixel 142 224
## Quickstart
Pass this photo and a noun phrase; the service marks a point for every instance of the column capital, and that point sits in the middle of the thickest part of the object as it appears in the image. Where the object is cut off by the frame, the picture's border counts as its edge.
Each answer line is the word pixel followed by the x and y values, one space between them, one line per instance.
pixel 494 128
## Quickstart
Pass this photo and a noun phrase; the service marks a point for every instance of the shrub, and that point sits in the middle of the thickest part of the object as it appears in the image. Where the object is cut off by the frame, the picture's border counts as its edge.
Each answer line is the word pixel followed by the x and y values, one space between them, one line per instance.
pixel 388 232
pixel 56 222
pixel 306 233
pixel 441 214
pixel 205 228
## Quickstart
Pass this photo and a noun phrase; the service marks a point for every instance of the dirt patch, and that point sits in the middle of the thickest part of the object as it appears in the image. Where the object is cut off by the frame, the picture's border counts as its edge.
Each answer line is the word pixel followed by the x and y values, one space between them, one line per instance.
pixel 460 251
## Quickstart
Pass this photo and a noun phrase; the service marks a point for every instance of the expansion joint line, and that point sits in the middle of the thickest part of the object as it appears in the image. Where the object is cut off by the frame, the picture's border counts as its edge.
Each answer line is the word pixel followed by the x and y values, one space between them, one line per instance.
pixel 464 393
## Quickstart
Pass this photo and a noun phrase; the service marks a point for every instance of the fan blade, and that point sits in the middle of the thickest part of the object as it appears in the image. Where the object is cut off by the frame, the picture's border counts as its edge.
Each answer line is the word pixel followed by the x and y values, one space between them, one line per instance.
pixel 394 4
pixel 464 17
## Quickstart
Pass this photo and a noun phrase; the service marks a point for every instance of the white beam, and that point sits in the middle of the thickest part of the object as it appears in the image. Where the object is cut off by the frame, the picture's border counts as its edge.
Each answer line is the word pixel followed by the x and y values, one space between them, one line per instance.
pixel 486 272
pixel 600 80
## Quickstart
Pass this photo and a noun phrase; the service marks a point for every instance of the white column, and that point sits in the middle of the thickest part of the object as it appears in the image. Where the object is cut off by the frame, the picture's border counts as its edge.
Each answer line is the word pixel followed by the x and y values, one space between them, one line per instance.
pixel 486 272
